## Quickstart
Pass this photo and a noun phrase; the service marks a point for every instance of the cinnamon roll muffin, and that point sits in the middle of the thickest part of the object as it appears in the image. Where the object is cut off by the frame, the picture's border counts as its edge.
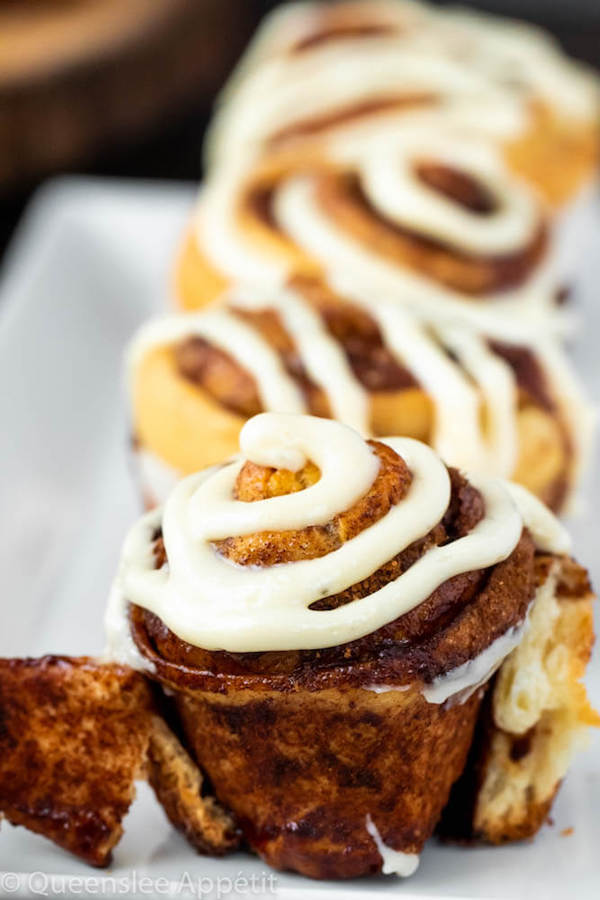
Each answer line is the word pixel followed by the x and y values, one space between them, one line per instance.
pixel 501 400
pixel 432 221
pixel 325 612
pixel 310 74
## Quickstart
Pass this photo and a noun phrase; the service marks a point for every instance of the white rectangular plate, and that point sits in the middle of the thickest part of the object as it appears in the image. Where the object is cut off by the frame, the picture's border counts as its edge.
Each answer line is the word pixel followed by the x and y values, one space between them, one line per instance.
pixel 91 261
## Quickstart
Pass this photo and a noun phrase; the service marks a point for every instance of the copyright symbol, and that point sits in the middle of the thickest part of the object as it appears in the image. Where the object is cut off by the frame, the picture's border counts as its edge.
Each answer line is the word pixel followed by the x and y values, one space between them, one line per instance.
pixel 9 882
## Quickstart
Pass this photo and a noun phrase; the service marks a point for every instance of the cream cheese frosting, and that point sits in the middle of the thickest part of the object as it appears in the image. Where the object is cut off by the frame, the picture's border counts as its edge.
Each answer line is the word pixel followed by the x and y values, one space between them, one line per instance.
pixel 462 58
pixel 213 603
pixel 473 389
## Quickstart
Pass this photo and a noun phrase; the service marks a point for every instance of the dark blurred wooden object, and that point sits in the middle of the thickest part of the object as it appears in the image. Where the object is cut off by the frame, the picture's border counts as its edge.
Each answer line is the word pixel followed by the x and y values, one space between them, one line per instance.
pixel 167 145
pixel 78 77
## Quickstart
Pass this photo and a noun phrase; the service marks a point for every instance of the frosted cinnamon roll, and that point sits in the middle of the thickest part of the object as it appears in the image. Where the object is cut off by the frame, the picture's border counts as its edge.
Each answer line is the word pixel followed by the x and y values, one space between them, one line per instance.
pixel 325 612
pixel 436 223
pixel 322 70
pixel 501 400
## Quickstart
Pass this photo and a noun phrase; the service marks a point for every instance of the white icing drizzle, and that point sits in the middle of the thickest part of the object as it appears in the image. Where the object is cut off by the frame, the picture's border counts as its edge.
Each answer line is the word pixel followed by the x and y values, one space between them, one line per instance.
pixel 546 530
pixel 321 355
pixel 458 435
pixel 393 862
pixel 460 683
pixel 386 688
pixel 283 93
pixel 387 170
pixel 474 392
pixel 277 390
pixel 385 165
pixel 479 381
pixel 497 384
pixel 511 52
pixel 220 237
pixel 299 213
pixel 456 55
pixel 120 646
pixel 210 602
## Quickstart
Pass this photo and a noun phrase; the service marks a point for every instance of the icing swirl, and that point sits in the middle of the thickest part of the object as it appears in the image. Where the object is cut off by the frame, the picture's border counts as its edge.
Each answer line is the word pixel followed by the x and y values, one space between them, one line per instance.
pixel 402 234
pixel 213 603
pixel 310 72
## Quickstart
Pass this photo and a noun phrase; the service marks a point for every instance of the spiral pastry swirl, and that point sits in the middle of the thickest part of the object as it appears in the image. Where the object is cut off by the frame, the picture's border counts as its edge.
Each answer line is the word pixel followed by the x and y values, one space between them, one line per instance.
pixel 317 73
pixel 212 603
pixel 434 221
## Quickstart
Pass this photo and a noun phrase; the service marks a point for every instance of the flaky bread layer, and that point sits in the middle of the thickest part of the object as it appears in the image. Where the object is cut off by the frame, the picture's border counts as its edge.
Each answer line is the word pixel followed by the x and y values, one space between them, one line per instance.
pixel 540 714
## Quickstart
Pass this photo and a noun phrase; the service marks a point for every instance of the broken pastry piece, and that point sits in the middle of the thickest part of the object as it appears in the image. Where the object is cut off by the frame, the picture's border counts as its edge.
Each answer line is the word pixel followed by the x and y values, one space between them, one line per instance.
pixel 535 717
pixel 178 783
pixel 75 735
pixel 74 738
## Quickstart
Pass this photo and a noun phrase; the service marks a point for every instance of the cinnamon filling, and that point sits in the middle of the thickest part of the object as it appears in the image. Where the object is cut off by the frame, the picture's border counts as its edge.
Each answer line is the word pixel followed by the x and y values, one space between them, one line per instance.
pixel 347 114
pixel 259 203
pixel 342 32
pixel 344 200
pixel 457 186
pixel 528 372
pixel 219 374
pixel 372 363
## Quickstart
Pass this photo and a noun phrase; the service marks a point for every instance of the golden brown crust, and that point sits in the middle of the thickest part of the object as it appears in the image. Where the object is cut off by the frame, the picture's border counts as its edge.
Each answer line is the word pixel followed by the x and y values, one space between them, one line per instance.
pixel 73 739
pixel 298 744
pixel 302 771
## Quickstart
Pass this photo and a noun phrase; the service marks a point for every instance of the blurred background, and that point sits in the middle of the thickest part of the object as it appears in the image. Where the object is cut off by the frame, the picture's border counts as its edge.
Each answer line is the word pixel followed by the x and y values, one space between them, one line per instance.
pixel 125 87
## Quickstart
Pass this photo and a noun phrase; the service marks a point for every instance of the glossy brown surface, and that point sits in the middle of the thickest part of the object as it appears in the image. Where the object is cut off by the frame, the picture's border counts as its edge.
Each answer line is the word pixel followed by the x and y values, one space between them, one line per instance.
pixel 75 734
pixel 302 771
